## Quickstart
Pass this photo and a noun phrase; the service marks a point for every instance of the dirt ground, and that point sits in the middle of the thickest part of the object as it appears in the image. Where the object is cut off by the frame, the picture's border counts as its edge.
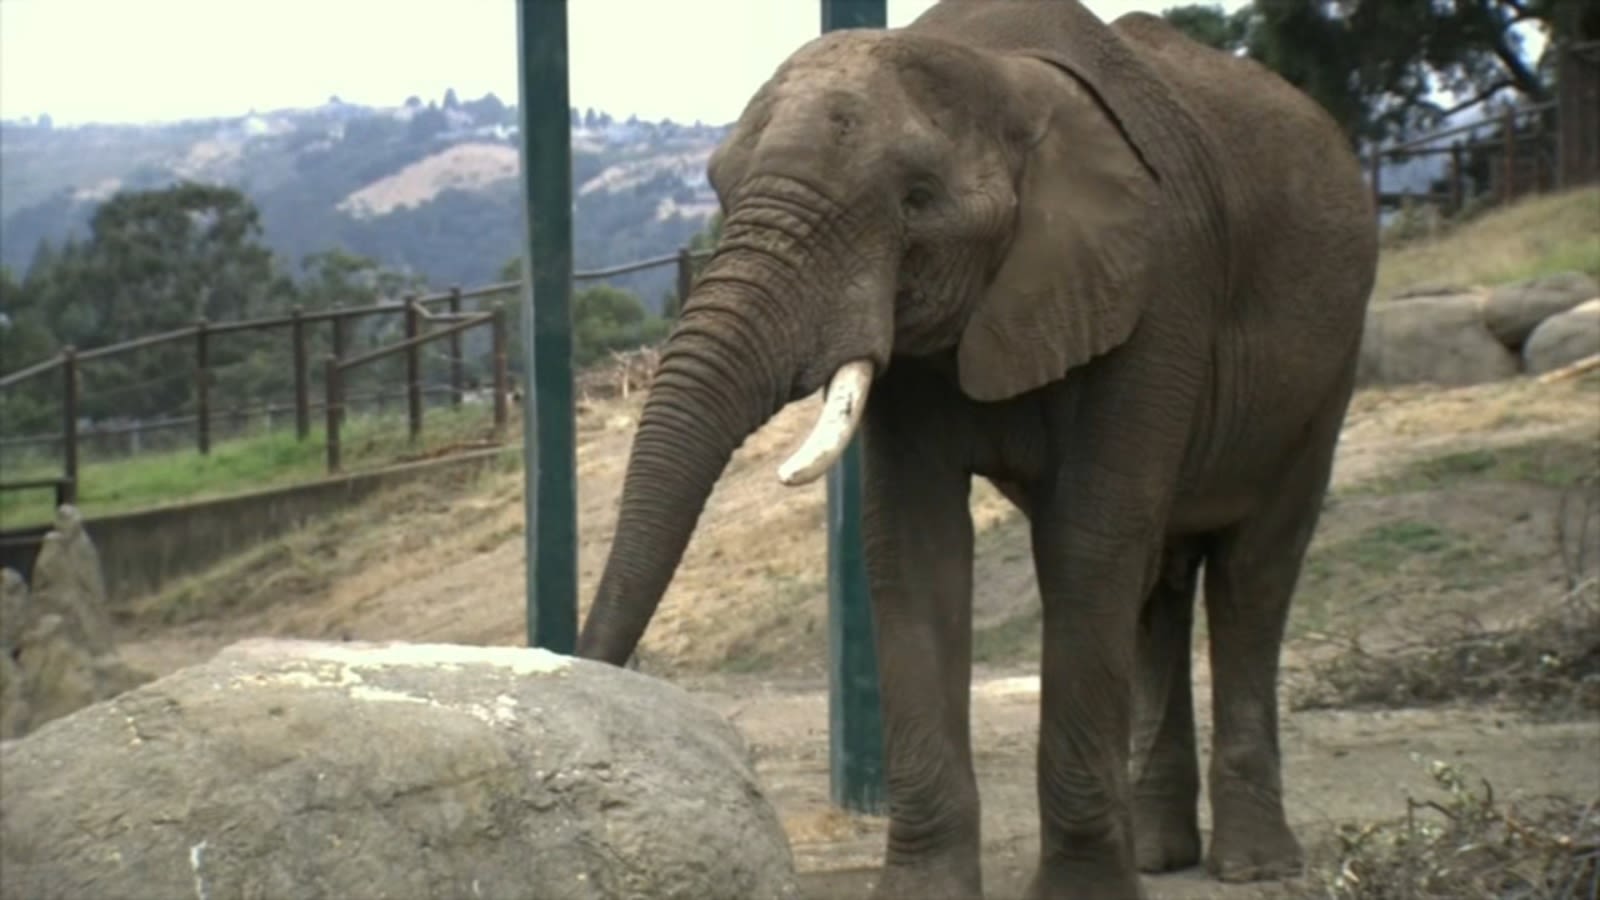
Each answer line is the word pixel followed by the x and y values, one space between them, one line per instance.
pixel 1339 766
pixel 1446 507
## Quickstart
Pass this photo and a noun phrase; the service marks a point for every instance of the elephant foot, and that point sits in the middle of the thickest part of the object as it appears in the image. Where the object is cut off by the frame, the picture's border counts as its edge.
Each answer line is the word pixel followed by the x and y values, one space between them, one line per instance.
pixel 935 880
pixel 1166 834
pixel 1084 881
pixel 1251 840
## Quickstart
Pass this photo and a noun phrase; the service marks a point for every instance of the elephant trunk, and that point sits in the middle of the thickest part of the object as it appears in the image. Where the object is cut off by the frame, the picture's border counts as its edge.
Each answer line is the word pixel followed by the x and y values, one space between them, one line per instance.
pixel 764 326
pixel 721 377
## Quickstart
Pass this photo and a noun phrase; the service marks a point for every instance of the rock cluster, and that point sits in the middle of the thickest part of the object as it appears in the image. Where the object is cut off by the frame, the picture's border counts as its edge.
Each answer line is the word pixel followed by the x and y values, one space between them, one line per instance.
pixel 1452 336
pixel 56 650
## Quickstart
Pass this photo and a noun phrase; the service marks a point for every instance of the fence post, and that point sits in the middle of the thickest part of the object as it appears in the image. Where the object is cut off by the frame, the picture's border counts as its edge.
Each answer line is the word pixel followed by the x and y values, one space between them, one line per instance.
pixel 334 410
pixel 413 370
pixel 855 723
pixel 69 419
pixel 1377 179
pixel 302 378
pixel 1509 189
pixel 338 332
pixel 1537 140
pixel 685 279
pixel 549 458
pixel 457 378
pixel 339 338
pixel 497 335
pixel 202 385
pixel 1458 193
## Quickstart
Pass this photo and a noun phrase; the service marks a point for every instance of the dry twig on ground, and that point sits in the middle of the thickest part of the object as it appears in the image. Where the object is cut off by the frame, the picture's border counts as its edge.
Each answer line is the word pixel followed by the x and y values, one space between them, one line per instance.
pixel 1550 660
pixel 1466 845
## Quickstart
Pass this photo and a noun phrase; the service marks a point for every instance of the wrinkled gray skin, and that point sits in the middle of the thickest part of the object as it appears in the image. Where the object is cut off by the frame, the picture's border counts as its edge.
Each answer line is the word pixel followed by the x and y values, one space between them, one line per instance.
pixel 1121 276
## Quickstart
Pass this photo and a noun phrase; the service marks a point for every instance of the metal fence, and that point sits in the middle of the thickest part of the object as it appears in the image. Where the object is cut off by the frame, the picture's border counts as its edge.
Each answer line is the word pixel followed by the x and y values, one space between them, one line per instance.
pixel 430 322
pixel 1524 150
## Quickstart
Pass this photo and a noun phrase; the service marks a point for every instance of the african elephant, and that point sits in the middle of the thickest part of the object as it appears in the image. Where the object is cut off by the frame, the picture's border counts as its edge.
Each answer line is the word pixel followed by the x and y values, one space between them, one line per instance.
pixel 1119 274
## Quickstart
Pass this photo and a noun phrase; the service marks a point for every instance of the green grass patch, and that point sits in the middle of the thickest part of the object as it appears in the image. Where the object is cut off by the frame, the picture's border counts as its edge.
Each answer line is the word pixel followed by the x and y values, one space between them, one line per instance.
pixel 268 460
pixel 1537 236
pixel 1387 561
pixel 1559 463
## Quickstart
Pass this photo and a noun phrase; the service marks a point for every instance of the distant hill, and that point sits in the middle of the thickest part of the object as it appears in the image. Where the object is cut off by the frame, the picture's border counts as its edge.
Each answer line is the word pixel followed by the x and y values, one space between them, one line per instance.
pixel 430 188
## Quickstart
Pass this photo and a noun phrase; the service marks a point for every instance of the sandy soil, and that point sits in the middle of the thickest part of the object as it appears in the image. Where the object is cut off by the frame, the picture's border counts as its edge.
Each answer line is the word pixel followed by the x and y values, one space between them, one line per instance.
pixel 743 623
pixel 1339 766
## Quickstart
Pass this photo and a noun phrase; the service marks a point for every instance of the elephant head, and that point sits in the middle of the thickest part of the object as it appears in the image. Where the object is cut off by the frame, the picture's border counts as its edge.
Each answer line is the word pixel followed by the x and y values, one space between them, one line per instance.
pixel 885 194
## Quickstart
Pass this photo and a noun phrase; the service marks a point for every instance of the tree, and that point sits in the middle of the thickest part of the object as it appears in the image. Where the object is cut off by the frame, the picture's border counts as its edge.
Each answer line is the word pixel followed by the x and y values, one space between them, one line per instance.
pixel 701 242
pixel 707 239
pixel 604 319
pixel 154 261
pixel 1212 25
pixel 607 319
pixel 1383 68
pixel 338 277
pixel 23 341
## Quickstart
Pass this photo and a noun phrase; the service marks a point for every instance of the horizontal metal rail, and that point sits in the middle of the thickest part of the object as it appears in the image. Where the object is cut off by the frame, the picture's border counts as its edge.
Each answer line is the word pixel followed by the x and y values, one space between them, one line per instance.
pixel 37 368
pixel 417 341
pixel 148 340
pixel 1464 129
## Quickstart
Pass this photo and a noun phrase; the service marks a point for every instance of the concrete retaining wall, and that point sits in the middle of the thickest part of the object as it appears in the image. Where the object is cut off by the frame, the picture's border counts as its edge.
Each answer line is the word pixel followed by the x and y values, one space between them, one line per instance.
pixel 142 550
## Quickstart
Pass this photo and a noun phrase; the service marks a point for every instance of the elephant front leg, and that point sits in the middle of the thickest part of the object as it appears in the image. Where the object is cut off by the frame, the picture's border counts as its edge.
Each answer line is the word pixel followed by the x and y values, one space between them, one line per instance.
pixel 918 542
pixel 1092 582
pixel 1166 767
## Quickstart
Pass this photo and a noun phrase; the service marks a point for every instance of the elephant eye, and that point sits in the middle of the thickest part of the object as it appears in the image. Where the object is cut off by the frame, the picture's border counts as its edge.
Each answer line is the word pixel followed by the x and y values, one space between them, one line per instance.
pixel 918 197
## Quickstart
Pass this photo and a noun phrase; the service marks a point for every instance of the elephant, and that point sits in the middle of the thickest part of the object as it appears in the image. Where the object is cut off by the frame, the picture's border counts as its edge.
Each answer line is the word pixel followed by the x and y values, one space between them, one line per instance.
pixel 1120 275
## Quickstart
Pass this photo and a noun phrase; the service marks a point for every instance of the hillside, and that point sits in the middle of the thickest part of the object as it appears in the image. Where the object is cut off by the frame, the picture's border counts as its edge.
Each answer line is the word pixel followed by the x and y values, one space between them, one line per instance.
pixel 426 188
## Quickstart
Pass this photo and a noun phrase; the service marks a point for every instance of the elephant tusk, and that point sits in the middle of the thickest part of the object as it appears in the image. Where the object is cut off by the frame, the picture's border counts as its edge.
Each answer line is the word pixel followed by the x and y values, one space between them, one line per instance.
pixel 843 403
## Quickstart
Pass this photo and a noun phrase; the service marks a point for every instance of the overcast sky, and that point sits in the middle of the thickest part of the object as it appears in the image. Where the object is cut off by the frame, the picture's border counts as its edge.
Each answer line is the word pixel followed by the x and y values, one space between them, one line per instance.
pixel 159 60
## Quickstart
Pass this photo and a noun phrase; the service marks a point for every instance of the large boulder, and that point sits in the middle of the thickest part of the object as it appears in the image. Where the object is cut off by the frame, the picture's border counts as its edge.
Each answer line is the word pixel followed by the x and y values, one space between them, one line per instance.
pixel 67 581
pixel 306 769
pixel 56 637
pixel 1432 339
pixel 1564 339
pixel 1512 311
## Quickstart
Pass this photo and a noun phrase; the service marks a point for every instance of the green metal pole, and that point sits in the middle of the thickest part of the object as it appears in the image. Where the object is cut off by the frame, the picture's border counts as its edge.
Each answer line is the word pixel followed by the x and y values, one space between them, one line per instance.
pixel 855 721
pixel 548 452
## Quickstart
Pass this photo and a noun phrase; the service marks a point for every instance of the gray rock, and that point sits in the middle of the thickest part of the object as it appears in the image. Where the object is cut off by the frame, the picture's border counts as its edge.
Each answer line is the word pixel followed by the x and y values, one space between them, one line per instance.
pixel 15 615
pixel 1431 289
pixel 58 674
pixel 67 581
pixel 1434 340
pixel 1514 310
pixel 1563 339
pixel 14 709
pixel 351 770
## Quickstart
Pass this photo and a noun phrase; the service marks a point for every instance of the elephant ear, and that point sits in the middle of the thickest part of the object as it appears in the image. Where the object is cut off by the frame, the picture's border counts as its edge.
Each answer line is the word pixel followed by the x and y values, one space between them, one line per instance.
pixel 1071 284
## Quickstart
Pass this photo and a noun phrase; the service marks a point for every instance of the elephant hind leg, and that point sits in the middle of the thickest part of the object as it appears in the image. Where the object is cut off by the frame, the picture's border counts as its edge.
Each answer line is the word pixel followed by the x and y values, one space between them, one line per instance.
pixel 1165 770
pixel 1251 570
